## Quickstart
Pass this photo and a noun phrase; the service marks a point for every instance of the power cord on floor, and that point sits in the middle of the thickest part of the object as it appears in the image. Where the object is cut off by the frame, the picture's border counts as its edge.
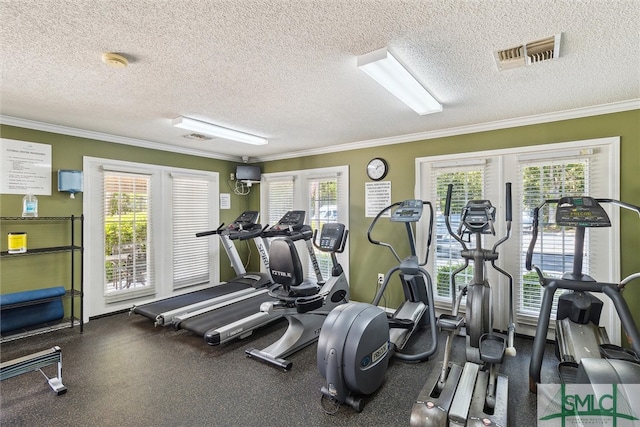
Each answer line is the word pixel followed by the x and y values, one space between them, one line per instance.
pixel 330 408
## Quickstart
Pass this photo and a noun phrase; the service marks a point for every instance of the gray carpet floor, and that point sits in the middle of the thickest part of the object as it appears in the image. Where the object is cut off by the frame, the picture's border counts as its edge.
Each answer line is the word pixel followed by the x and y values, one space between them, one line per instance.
pixel 124 372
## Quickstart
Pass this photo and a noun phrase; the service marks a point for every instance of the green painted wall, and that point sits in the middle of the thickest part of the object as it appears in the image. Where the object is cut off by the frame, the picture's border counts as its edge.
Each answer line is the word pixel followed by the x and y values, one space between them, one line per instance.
pixel 367 260
pixel 18 273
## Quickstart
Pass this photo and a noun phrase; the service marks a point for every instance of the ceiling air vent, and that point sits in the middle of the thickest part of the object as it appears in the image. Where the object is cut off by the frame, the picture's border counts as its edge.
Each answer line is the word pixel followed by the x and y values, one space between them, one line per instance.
pixel 543 50
pixel 510 58
pixel 530 53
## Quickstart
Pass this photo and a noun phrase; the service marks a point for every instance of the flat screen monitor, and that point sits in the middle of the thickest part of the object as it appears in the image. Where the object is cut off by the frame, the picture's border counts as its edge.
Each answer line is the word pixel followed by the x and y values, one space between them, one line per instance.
pixel 248 173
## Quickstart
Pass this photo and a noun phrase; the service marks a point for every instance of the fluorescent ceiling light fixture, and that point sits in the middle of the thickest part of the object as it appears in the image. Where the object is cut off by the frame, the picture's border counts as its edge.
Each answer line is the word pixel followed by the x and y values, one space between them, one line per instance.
pixel 218 131
pixel 386 70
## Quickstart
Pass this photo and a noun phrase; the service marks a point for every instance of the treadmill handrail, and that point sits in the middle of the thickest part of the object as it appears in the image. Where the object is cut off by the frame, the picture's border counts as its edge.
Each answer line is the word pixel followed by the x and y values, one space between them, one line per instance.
pixel 211 232
pixel 245 234
pixel 304 233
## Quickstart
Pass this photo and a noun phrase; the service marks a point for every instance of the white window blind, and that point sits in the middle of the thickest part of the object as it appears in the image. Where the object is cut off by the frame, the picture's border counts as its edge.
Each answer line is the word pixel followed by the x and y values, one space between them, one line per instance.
pixel 554 251
pixel 127 234
pixel 280 196
pixel 468 184
pixel 190 208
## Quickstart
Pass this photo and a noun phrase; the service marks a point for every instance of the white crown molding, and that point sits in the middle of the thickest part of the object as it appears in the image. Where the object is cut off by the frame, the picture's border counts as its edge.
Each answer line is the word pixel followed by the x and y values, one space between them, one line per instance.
pixel 82 133
pixel 616 107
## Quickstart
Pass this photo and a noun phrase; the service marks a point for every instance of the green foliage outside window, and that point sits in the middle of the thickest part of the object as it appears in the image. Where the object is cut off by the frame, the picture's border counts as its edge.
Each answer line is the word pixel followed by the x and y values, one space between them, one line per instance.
pixel 443 278
pixel 531 291
pixel 466 186
pixel 125 229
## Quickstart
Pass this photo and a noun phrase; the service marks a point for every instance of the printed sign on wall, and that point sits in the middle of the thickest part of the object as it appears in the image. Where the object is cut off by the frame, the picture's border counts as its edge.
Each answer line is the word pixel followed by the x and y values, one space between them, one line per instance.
pixel 377 197
pixel 26 167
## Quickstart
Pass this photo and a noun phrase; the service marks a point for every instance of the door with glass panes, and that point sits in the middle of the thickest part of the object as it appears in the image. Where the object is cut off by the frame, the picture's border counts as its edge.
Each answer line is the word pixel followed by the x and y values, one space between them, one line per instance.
pixel 536 174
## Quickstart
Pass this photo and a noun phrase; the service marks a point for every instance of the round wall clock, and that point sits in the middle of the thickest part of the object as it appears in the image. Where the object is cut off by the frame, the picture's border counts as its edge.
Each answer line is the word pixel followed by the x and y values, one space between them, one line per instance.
pixel 377 168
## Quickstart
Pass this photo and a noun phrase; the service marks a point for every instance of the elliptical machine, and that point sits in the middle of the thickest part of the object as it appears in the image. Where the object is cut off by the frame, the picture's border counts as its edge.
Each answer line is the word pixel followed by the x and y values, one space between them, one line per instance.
pixel 583 347
pixel 476 394
pixel 357 339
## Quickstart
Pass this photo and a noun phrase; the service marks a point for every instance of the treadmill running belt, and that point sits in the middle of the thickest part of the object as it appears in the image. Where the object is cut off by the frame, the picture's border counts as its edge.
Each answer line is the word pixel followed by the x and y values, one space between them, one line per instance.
pixel 153 309
pixel 223 316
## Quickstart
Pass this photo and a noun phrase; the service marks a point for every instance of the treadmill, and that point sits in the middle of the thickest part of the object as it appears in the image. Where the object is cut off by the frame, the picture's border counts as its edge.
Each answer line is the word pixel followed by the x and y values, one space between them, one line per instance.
pixel 238 318
pixel 245 227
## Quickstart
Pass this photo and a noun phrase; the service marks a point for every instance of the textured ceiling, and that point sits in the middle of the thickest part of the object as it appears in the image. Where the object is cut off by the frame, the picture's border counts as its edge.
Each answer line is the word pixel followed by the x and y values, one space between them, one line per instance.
pixel 286 70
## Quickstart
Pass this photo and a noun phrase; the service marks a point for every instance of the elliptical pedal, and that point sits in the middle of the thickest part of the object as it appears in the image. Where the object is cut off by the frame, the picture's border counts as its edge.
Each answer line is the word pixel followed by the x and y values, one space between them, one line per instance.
pixel 449 322
pixel 612 351
pixel 396 322
pixel 492 348
pixel 568 372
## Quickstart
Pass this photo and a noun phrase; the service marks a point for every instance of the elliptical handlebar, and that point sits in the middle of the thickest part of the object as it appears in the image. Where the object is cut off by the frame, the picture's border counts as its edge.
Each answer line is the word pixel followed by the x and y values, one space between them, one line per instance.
pixel 371 239
pixel 447 205
pixel 407 219
pixel 535 225
pixel 534 237
pixel 430 232
pixel 373 223
pixel 628 206
pixel 447 221
pixel 508 216
pixel 509 211
pixel 628 279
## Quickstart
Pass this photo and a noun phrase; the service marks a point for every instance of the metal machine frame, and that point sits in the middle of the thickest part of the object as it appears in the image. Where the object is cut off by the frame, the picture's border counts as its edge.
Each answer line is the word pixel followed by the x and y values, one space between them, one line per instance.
pixel 578 310
pixel 474 394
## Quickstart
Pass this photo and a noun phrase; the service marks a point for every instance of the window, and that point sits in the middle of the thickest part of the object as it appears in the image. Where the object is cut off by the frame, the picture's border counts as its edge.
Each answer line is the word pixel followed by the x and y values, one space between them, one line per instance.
pixel 322 193
pixel 323 199
pixel 126 219
pixel 190 206
pixel 543 180
pixel 279 198
pixel 468 184
pixel 140 227
pixel 536 173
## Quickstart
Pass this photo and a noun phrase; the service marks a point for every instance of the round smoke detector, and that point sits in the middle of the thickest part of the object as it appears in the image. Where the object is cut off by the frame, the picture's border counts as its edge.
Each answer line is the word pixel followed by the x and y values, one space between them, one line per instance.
pixel 114 60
